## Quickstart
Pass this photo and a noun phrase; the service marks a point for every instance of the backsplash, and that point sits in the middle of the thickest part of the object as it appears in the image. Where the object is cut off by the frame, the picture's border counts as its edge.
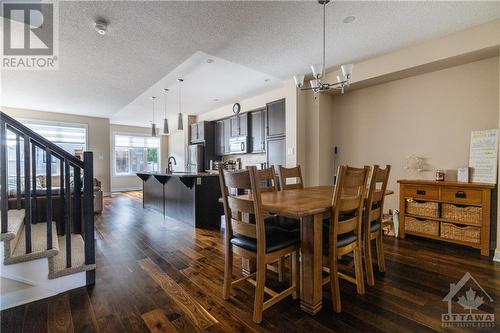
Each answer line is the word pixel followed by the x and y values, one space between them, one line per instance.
pixel 248 159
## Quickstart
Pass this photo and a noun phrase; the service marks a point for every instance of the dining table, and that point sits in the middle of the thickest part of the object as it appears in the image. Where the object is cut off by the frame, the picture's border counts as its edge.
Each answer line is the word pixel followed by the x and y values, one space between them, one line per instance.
pixel 309 205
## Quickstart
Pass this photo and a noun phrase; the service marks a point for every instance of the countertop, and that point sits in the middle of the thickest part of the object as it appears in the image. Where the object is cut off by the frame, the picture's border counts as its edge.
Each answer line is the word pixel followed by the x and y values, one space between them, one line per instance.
pixel 179 174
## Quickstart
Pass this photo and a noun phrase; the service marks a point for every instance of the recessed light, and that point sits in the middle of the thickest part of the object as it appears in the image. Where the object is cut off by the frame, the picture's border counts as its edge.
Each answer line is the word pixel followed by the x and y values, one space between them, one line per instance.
pixel 349 19
pixel 216 100
pixel 209 61
pixel 267 80
pixel 101 26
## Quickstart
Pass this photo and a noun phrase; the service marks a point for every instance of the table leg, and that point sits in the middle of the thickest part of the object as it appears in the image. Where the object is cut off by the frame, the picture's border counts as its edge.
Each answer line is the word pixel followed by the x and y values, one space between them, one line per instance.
pixel 311 229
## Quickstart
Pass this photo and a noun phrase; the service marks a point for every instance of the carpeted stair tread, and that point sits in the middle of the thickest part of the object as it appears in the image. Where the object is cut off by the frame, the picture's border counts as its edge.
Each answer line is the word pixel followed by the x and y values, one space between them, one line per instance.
pixel 15 219
pixel 38 245
pixel 57 264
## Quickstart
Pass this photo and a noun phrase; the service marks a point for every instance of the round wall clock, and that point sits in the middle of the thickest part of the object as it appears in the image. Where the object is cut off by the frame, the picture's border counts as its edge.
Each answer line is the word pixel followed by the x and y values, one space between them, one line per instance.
pixel 236 108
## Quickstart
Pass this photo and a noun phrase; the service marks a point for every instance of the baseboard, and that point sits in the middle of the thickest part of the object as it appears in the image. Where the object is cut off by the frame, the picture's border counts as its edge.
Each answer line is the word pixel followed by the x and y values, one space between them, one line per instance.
pixel 127 189
pixel 496 257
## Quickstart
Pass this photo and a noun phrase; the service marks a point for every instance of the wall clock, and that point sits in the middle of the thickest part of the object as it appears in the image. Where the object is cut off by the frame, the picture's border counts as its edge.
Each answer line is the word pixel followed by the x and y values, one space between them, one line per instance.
pixel 236 108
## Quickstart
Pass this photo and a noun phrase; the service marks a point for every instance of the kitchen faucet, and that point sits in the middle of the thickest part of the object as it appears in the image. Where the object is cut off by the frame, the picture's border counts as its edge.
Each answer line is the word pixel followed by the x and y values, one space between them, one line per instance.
pixel 169 168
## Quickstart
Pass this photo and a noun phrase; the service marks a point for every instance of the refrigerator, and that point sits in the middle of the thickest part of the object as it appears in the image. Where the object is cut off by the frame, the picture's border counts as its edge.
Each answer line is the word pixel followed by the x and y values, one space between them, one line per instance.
pixel 196 158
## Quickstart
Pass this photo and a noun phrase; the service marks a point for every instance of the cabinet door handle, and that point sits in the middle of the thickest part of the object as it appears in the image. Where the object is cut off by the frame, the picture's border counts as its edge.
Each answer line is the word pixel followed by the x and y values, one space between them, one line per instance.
pixel 460 195
pixel 421 192
pixel 242 146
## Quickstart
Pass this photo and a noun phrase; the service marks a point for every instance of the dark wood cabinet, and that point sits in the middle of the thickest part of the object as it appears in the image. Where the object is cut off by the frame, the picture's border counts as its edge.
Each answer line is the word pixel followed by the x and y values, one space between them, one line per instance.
pixel 227 135
pixel 201 131
pixel 258 131
pixel 219 138
pixel 239 125
pixel 193 132
pixel 276 119
pixel 276 151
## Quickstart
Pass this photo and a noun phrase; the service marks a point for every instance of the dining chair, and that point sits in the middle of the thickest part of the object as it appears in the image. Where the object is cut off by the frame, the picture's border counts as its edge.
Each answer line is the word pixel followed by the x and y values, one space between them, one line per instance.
pixel 267 178
pixel 287 173
pixel 264 243
pixel 372 225
pixel 342 235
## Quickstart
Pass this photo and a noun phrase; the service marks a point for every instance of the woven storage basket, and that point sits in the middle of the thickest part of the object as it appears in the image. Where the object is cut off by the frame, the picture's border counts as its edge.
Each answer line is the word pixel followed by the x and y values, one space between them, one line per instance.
pixel 462 213
pixel 430 209
pixel 427 227
pixel 465 234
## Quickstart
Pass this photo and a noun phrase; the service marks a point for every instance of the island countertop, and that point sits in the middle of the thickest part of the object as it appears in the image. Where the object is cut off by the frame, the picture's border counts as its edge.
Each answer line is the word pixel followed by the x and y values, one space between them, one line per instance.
pixel 178 174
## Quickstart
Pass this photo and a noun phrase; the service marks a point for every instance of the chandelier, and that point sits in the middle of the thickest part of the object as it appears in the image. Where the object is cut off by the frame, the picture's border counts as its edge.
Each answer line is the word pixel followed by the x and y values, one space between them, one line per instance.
pixel 318 71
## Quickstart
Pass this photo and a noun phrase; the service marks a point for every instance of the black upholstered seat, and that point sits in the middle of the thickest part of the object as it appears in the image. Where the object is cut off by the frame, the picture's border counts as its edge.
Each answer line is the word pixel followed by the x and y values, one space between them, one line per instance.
pixel 374 226
pixel 342 239
pixel 276 239
pixel 284 223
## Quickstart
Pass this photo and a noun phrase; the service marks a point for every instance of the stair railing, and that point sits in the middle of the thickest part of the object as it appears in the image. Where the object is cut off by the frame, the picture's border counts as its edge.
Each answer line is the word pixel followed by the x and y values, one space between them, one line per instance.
pixel 70 202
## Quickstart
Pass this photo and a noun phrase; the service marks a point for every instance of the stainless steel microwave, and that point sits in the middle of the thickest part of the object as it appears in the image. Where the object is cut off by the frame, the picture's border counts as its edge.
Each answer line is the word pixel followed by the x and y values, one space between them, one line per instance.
pixel 238 145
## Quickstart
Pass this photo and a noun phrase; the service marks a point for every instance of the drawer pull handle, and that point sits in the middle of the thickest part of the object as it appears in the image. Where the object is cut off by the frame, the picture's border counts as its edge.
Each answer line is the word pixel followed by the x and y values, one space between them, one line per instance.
pixel 421 192
pixel 460 195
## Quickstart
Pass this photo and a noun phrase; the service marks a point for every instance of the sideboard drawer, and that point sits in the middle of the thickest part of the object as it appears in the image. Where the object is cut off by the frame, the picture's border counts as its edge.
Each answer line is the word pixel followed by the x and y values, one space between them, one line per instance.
pixel 461 195
pixel 422 192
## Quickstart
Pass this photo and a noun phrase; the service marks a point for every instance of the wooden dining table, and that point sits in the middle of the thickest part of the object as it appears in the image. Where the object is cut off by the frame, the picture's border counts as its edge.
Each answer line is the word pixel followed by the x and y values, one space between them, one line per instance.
pixel 309 205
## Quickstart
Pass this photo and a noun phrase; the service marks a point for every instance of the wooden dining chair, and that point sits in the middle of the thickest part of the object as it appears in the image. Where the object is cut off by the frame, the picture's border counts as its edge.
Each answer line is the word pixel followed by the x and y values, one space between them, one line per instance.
pixel 372 225
pixel 287 173
pixel 343 233
pixel 258 241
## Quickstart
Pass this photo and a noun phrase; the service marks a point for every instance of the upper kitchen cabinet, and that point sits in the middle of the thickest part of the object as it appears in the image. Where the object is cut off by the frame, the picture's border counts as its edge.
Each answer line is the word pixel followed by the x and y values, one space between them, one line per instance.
pixel 276 118
pixel 219 138
pixel 226 135
pixel 257 131
pixel 202 131
pixel 239 125
pixel 276 151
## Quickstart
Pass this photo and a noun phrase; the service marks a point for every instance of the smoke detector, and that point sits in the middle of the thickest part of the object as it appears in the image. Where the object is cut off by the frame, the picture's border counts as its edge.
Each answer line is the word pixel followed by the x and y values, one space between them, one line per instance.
pixel 101 27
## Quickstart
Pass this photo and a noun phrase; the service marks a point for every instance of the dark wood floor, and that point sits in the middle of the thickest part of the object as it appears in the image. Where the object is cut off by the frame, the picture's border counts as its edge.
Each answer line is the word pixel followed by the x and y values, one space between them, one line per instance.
pixel 162 276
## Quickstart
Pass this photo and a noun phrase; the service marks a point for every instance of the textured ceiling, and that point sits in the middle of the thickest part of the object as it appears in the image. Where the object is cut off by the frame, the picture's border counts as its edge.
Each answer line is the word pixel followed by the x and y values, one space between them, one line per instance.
pixel 149 41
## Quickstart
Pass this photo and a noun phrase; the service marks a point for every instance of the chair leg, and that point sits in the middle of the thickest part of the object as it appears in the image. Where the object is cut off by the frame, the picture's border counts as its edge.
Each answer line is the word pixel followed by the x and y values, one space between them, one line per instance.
pixel 334 284
pixel 358 268
pixel 380 252
pixel 228 272
pixel 281 269
pixel 370 279
pixel 259 292
pixel 295 274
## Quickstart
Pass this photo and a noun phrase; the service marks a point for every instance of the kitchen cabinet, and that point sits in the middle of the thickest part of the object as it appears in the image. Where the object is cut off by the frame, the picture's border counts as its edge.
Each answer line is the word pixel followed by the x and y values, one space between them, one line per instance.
pixel 257 131
pixel 276 151
pixel 201 131
pixel 276 118
pixel 239 125
pixel 227 135
pixel 219 138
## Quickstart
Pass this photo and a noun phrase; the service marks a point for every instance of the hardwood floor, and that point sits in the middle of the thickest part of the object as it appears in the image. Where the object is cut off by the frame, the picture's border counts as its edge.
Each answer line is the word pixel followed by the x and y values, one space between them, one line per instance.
pixel 163 276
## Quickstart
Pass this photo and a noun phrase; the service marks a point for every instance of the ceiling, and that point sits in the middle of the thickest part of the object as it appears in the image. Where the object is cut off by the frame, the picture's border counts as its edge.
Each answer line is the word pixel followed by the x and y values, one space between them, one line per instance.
pixel 151 43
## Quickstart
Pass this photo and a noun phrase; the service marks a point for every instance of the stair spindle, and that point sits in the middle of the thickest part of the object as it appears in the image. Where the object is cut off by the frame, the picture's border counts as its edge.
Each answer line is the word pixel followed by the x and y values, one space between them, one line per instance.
pixel 4 203
pixel 77 205
pixel 88 213
pixel 67 211
pixel 33 181
pixel 62 213
pixel 18 172
pixel 27 193
pixel 48 186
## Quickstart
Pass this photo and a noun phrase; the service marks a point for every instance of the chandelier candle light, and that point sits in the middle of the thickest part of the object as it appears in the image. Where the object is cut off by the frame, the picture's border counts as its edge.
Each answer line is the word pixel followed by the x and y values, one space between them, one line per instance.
pixel 153 125
pixel 165 121
pixel 180 125
pixel 318 71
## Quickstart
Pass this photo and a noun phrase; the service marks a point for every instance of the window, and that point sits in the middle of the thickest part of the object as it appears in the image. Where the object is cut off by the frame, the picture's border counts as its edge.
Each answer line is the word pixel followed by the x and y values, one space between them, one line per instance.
pixel 134 153
pixel 70 137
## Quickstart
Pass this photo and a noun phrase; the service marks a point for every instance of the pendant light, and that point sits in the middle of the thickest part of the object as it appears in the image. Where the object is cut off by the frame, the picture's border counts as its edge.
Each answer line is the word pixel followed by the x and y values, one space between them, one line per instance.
pixel 180 124
pixel 153 125
pixel 165 120
pixel 318 70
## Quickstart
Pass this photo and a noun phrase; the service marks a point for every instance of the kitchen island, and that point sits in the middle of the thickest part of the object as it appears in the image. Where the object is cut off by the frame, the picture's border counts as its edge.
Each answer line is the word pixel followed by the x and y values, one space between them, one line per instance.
pixel 191 198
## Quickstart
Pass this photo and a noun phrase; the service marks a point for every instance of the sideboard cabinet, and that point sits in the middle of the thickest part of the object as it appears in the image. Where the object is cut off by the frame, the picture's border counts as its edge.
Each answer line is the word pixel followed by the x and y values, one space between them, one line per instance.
pixel 448 211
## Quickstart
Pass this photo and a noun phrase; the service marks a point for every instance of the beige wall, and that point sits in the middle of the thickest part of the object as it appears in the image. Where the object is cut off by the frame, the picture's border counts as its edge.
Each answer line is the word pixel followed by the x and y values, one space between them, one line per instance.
pixel 125 183
pixel 430 115
pixel 97 137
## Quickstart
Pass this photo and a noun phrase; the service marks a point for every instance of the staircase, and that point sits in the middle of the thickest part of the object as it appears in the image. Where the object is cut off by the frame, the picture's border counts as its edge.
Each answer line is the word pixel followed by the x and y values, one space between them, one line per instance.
pixel 47 233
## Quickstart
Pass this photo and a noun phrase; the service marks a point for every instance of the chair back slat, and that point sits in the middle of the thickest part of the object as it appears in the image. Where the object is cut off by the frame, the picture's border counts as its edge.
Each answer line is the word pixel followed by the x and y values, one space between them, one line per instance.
pixel 237 179
pixel 244 228
pixel 267 179
pixel 240 205
pixel 348 200
pixel 376 194
pixel 287 173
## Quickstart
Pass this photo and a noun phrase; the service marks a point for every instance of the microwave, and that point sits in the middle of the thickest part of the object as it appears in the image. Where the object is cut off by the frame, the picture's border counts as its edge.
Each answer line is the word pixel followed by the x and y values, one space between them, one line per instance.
pixel 238 145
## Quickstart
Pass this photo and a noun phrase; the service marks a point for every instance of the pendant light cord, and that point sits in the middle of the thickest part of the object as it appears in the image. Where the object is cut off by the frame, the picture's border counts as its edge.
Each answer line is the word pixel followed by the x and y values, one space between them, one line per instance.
pixel 324 37
pixel 166 103
pixel 180 83
pixel 153 110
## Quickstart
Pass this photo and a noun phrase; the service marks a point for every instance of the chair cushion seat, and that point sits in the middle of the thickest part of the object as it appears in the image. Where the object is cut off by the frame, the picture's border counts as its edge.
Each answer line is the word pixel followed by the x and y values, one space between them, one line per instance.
pixel 276 239
pixel 284 223
pixel 342 239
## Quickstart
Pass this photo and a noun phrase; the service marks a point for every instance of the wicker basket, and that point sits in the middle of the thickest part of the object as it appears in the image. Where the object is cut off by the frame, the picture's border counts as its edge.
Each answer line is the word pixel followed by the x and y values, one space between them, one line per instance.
pixel 427 227
pixel 462 213
pixel 430 209
pixel 465 234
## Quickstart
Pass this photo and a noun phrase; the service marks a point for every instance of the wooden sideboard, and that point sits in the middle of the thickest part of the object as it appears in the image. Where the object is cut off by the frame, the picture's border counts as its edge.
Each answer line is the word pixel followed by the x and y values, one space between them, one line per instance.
pixel 448 211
